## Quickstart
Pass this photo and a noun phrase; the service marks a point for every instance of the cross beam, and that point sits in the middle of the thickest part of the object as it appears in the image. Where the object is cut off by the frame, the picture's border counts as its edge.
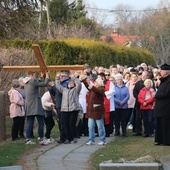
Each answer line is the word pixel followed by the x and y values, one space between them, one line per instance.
pixel 37 68
pixel 41 64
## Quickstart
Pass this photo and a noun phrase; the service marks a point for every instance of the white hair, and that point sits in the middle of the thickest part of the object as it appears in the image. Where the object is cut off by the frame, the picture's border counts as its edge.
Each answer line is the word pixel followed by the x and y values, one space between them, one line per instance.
pixel 21 78
pixel 148 80
pixel 118 75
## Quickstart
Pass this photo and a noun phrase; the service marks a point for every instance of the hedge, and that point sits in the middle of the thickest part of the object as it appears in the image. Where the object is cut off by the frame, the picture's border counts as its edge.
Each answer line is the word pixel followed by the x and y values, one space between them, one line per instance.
pixel 80 51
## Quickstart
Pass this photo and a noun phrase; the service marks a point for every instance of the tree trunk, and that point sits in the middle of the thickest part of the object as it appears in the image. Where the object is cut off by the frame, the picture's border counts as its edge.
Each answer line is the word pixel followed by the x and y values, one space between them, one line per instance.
pixel 49 36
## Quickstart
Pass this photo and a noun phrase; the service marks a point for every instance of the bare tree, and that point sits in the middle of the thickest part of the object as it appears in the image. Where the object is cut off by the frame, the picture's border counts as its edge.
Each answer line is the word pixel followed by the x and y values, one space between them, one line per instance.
pixel 11 57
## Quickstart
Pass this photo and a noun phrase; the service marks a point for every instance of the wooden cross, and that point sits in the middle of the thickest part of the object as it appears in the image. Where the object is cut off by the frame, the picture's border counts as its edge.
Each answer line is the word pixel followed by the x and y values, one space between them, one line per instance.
pixel 41 64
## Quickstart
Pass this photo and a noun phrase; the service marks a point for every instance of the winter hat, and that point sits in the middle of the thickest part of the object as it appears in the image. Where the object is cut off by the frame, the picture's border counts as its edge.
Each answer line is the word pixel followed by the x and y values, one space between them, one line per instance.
pixel 165 67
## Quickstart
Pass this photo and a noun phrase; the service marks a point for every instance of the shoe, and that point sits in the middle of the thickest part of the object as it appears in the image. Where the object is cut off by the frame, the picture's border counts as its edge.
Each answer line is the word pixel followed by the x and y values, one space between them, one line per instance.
pixel 107 135
pixel 130 126
pixel 124 135
pixel 60 141
pixel 75 140
pixel 67 142
pixel 43 142
pixel 29 142
pixel 151 135
pixel 15 139
pixel 137 134
pixel 50 140
pixel 90 143
pixel 102 143
pixel 117 134
pixel 21 137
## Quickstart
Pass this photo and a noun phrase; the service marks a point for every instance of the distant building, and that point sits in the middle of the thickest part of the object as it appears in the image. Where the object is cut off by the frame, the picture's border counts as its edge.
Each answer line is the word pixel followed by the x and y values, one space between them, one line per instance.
pixel 122 40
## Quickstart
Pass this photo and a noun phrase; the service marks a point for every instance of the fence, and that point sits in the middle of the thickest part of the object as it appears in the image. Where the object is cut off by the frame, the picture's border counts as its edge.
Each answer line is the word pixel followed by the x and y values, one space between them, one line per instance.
pixel 2 115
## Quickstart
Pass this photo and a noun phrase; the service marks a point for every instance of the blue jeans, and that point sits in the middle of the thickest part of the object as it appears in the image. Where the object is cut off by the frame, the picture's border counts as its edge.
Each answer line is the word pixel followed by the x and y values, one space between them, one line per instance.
pixel 101 129
pixel 30 125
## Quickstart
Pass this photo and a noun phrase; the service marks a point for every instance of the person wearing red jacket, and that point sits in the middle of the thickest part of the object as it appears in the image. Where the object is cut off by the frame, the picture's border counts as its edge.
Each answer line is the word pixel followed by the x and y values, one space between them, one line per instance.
pixel 146 98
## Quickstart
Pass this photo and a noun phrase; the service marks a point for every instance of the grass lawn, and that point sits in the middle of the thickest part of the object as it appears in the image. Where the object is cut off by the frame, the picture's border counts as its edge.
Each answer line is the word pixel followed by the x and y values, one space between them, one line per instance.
pixel 11 151
pixel 130 148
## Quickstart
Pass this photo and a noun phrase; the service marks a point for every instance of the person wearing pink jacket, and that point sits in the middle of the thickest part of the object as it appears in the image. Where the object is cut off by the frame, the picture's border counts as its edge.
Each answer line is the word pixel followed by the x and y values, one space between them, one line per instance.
pixel 16 108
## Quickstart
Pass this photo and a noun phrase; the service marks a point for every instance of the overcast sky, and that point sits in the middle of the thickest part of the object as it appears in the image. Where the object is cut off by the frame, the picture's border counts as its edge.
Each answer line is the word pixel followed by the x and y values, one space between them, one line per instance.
pixel 112 4
pixel 137 4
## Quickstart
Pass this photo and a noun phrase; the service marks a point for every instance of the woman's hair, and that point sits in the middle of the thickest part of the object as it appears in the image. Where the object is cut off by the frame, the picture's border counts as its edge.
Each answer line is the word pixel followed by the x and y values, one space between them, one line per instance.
pixel 118 75
pixel 148 80
pixel 15 83
pixel 21 78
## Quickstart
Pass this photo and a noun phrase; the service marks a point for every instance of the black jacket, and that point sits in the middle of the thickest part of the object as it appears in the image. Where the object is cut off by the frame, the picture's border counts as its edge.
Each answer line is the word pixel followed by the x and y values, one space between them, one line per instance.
pixel 162 104
pixel 138 86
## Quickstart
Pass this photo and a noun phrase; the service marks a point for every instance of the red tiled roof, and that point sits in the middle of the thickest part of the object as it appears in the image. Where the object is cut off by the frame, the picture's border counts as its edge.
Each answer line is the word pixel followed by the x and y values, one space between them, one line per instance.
pixel 120 40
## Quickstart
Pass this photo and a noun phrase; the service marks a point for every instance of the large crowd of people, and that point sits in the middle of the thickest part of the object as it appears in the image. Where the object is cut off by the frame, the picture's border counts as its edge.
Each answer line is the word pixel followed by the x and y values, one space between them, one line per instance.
pixel 93 102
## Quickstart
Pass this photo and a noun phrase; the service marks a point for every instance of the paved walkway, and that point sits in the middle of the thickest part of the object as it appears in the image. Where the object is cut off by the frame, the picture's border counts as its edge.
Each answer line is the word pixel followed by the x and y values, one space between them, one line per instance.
pixel 63 156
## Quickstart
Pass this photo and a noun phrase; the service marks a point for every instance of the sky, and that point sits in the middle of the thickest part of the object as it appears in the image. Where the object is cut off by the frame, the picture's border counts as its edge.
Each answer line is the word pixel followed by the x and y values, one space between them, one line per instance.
pixel 111 4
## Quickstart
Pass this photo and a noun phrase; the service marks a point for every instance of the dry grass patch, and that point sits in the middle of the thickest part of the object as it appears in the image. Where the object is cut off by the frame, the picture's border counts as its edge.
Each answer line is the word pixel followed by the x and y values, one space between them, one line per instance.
pixel 129 148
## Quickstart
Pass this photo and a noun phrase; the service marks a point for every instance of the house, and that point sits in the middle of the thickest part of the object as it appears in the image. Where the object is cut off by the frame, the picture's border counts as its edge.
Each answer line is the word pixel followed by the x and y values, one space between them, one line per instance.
pixel 121 40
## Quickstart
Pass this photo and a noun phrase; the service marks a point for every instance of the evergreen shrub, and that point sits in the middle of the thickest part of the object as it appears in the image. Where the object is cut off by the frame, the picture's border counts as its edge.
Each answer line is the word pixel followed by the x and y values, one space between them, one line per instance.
pixel 80 51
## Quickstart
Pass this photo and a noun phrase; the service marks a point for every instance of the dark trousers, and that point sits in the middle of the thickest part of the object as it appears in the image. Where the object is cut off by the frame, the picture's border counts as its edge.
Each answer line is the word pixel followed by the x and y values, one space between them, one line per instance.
pixel 112 121
pixel 138 121
pixel 121 119
pixel 70 119
pixel 49 122
pixel 61 126
pixel 79 128
pixel 15 127
pixel 85 130
pixel 21 127
pixel 148 121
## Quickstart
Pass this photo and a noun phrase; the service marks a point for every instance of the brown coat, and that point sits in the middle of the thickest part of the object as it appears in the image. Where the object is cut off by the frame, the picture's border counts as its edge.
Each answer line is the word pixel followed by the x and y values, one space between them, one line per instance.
pixel 95 102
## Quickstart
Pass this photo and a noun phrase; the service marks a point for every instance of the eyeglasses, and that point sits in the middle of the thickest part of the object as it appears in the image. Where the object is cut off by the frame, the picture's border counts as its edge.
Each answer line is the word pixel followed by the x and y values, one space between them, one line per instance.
pixel 63 76
pixel 107 74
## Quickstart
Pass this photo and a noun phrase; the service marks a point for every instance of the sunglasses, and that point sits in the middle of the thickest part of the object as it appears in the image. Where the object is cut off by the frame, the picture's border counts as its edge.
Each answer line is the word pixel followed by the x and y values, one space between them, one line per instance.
pixel 107 74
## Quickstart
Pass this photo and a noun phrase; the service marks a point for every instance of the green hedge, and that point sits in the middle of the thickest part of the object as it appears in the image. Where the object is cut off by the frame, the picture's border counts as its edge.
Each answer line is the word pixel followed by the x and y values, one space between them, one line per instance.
pixel 80 51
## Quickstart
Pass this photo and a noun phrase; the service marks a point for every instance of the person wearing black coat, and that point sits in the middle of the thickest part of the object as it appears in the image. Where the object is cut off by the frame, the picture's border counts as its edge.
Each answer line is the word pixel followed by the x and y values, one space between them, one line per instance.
pixel 138 119
pixel 162 108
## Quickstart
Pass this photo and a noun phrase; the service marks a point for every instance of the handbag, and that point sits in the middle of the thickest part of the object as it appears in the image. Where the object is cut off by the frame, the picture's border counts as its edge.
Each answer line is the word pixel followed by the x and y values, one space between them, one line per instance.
pixel 54 112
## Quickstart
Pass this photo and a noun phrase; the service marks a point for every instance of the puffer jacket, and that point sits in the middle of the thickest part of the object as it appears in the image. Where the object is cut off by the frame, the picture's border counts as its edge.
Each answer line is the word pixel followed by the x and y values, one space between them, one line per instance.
pixel 147 96
pixel 70 97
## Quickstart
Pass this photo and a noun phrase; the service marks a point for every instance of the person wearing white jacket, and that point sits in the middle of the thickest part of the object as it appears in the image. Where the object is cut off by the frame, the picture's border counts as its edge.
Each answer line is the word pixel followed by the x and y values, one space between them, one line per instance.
pixel 83 102
pixel 48 106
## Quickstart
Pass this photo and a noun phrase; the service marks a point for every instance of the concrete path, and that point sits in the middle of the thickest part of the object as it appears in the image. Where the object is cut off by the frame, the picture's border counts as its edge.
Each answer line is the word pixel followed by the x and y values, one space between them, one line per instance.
pixel 63 156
